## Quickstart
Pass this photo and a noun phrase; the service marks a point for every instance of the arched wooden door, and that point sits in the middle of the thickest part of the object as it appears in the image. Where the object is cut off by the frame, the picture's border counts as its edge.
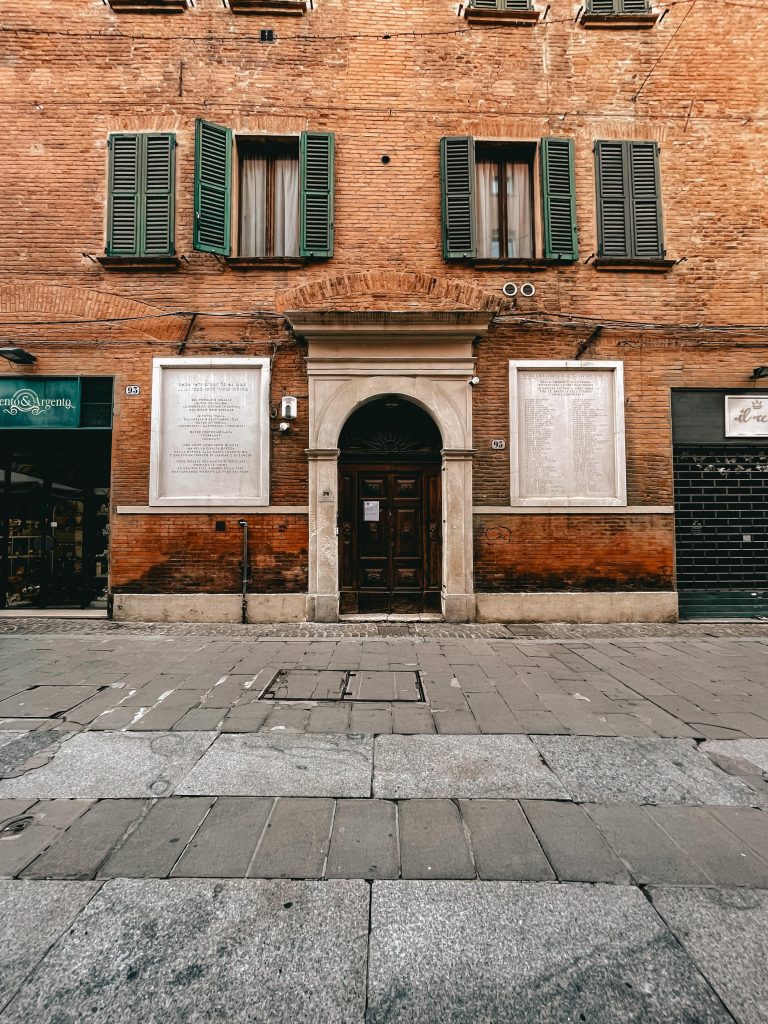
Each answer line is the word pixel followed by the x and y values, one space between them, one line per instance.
pixel 390 522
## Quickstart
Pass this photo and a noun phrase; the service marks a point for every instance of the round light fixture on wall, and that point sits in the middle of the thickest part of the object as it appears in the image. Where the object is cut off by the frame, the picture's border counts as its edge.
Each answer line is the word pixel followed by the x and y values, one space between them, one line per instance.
pixel 528 290
pixel 510 289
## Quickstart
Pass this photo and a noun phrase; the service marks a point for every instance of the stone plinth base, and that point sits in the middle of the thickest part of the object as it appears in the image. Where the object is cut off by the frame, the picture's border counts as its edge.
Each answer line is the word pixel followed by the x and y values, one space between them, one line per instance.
pixel 580 606
pixel 209 608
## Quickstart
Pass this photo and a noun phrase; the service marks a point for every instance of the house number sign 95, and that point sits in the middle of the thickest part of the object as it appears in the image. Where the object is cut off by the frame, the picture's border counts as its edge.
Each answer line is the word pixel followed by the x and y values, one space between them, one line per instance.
pixel 133 389
pixel 498 445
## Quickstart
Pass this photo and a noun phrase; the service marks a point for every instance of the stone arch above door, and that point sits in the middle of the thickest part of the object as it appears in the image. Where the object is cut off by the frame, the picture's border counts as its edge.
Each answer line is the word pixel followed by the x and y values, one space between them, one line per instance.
pixel 432 396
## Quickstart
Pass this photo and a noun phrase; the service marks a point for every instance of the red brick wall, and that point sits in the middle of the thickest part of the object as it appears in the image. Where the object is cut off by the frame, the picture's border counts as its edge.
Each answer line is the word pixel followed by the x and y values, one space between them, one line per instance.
pixel 185 554
pixel 569 552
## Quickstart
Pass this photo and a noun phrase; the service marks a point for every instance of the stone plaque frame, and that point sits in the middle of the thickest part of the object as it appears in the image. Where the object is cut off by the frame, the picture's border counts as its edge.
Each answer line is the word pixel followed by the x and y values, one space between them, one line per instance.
pixel 159 496
pixel 616 368
pixel 751 427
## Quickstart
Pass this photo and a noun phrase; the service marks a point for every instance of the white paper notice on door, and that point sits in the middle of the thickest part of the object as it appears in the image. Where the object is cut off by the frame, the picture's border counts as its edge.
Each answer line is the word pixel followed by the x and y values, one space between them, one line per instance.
pixel 371 512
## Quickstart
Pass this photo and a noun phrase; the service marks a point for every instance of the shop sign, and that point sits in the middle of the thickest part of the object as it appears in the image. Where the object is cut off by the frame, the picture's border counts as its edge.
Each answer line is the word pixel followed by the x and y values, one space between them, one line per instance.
pixel 44 403
pixel 746 416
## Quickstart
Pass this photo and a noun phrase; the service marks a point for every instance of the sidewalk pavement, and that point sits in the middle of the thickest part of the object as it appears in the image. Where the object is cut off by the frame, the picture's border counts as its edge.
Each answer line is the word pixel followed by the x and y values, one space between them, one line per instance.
pixel 347 860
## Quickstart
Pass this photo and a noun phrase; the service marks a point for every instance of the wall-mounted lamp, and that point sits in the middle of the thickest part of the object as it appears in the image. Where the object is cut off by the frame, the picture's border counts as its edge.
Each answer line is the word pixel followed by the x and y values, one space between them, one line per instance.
pixel 18 355
pixel 757 374
pixel 474 381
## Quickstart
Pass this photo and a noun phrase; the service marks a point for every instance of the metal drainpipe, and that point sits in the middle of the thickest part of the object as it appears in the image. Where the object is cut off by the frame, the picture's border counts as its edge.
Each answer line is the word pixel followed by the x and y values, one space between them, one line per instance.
pixel 244 573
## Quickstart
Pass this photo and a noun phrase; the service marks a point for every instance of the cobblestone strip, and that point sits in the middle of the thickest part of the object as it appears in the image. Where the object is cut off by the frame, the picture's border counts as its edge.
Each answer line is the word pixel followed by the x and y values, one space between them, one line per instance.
pixel 316 838
pixel 19 626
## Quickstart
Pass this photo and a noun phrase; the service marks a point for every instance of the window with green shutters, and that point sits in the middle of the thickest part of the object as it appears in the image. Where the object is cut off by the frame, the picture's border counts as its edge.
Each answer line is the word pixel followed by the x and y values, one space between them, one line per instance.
pixel 140 213
pixel 286 197
pixel 611 7
pixel 501 5
pixel 491 205
pixel 629 219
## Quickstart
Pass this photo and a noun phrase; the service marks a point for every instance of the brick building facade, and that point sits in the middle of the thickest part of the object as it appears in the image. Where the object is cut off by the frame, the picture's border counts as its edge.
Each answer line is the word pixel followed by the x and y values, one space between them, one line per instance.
pixel 334 196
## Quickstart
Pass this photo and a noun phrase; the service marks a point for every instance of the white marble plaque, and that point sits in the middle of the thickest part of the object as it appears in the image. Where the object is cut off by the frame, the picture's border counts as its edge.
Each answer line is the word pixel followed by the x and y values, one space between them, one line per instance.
pixel 746 415
pixel 567 439
pixel 210 432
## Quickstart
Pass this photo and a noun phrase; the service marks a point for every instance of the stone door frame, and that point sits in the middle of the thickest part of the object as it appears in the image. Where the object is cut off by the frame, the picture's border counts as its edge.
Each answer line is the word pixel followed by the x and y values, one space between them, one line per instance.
pixel 349 394
pixel 424 357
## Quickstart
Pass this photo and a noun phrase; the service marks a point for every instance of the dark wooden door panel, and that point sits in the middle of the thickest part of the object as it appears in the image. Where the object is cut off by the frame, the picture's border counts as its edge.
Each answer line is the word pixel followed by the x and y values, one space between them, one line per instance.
pixel 391 563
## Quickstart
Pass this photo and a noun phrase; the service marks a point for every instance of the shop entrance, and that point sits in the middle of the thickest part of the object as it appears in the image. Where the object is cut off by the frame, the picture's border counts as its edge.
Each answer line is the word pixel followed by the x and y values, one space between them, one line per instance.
pixel 721 508
pixel 56 520
pixel 390 551
pixel 54 505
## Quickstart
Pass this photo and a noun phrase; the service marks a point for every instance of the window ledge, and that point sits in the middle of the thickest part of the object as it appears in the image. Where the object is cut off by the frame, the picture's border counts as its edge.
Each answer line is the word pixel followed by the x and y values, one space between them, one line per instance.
pixel 266 262
pixel 491 17
pixel 295 7
pixel 653 266
pixel 148 6
pixel 522 264
pixel 139 262
pixel 619 20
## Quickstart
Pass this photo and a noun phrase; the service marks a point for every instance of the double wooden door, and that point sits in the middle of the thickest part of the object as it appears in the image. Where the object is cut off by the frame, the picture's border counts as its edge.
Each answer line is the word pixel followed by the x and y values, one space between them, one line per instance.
pixel 390 537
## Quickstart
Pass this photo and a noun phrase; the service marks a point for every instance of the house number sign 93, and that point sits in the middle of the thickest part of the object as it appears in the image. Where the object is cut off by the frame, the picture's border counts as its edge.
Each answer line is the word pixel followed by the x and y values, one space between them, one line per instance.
pixel 498 445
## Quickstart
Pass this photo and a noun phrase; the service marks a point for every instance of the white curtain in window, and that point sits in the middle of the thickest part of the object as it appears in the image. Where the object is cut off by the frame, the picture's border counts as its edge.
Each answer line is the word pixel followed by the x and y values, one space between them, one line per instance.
pixel 519 213
pixel 286 207
pixel 487 210
pixel 253 219
pixel 253 206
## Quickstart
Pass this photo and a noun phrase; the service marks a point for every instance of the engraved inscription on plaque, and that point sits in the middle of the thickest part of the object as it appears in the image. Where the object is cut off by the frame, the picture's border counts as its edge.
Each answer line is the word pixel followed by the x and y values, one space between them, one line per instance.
pixel 210 432
pixel 567 434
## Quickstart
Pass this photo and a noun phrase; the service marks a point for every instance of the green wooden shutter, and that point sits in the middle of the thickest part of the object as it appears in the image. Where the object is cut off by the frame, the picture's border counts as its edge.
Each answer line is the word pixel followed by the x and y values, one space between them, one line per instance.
pixel 457 173
pixel 558 199
pixel 158 194
pixel 643 162
pixel 613 216
pixel 635 7
pixel 123 212
pixel 316 172
pixel 213 187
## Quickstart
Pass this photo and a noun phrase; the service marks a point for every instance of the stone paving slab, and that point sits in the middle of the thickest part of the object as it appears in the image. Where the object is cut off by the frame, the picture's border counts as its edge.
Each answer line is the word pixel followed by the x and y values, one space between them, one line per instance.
pixel 88 842
pixel 46 822
pixel 462 766
pixel 364 841
pixel 22 747
pixel 95 765
pixel 224 844
pixel 725 932
pixel 575 848
pixel 649 853
pixel 45 701
pixel 187 951
pixel 640 771
pixel 33 915
pixel 295 841
pixel 433 843
pixel 503 843
pixel 282 765
pixel 453 952
pixel 152 849
pixel 754 751
pixel 11 736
